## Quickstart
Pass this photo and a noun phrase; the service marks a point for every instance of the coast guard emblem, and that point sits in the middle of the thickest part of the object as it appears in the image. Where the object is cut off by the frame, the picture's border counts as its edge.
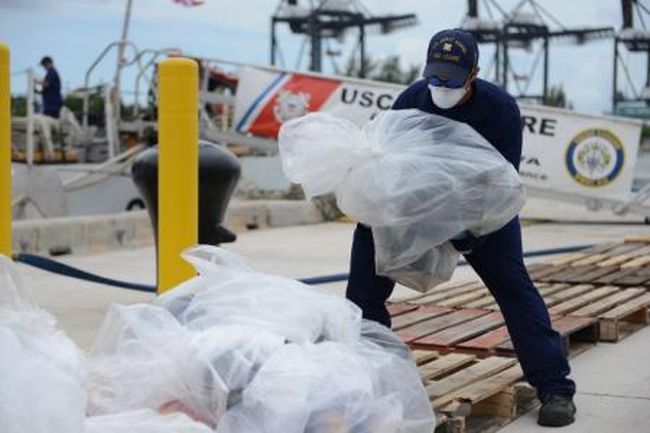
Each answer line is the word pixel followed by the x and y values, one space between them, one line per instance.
pixel 290 105
pixel 595 157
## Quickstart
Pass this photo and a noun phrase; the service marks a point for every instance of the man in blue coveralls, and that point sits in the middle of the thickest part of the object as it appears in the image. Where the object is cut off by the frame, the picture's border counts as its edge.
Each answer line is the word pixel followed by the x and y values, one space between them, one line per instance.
pixel 51 89
pixel 451 88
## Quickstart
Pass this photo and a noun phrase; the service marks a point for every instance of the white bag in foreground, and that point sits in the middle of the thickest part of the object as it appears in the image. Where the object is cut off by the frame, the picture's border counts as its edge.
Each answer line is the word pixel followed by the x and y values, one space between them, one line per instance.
pixel 330 387
pixel 41 368
pixel 144 421
pixel 416 178
pixel 228 292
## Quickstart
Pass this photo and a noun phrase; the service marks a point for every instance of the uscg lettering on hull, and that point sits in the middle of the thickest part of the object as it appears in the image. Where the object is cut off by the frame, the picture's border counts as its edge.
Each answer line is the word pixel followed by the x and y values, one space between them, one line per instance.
pixel 366 99
pixel 539 125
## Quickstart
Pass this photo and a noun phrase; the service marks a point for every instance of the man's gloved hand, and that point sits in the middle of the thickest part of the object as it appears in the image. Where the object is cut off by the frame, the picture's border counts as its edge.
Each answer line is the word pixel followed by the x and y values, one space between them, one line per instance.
pixel 464 242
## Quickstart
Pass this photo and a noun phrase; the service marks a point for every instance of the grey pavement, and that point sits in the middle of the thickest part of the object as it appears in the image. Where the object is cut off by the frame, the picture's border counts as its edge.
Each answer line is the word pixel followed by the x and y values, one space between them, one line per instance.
pixel 614 380
pixel 613 390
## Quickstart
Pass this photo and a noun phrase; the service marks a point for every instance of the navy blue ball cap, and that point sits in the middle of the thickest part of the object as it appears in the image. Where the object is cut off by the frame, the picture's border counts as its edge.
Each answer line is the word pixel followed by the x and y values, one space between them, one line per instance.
pixel 452 55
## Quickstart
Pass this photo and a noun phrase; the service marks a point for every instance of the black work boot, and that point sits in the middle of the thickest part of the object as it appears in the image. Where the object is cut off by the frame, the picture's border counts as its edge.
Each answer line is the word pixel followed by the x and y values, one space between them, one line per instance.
pixel 556 411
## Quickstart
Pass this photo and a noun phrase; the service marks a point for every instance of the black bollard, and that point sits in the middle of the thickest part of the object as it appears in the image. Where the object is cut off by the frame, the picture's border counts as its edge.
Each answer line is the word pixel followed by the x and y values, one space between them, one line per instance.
pixel 219 171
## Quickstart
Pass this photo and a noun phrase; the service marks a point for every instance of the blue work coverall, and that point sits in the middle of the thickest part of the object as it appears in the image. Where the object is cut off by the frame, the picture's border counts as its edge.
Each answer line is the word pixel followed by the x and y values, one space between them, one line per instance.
pixel 52 98
pixel 497 258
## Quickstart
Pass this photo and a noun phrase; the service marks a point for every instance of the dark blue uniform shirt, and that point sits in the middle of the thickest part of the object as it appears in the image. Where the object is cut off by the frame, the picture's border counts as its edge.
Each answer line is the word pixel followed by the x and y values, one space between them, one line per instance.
pixel 52 99
pixel 492 112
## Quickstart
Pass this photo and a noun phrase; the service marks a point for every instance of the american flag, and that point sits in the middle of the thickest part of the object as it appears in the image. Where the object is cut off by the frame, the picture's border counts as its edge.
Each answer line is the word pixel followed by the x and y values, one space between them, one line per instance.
pixel 189 3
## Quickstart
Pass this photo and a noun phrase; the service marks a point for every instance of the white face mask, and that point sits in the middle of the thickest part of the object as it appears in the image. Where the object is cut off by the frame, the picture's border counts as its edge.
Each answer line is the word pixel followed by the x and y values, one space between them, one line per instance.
pixel 446 98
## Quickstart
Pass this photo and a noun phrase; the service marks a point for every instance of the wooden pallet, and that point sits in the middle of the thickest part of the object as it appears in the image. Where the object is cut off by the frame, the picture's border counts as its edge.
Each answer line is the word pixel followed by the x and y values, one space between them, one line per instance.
pixel 468 393
pixel 623 264
pixel 619 311
pixel 479 332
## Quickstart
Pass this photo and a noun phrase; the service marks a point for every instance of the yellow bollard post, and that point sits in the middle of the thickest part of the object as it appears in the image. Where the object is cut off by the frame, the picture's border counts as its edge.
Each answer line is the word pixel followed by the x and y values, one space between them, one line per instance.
pixel 5 153
pixel 178 168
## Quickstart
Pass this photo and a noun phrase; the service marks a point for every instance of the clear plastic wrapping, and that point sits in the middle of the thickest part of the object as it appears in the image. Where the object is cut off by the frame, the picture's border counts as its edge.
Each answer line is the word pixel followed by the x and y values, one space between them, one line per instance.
pixel 42 370
pixel 242 352
pixel 416 178
pixel 224 294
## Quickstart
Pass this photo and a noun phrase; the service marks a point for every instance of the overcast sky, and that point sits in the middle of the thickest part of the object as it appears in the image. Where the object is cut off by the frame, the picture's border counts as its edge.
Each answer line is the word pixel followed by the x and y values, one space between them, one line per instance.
pixel 74 32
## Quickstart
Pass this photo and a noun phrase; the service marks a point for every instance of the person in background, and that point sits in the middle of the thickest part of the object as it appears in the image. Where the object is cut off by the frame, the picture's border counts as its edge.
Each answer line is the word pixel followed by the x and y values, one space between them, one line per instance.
pixel 51 89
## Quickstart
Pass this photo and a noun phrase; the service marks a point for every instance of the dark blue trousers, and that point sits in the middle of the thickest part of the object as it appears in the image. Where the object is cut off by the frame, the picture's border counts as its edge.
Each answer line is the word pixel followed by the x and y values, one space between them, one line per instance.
pixel 498 260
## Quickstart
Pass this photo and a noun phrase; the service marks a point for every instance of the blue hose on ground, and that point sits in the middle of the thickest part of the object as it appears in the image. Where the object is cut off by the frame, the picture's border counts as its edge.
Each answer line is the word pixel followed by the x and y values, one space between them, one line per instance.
pixel 336 278
pixel 49 265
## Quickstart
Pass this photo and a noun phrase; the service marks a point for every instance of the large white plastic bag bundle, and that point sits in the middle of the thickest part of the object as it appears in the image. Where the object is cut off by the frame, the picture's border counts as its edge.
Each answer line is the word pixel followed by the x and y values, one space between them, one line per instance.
pixel 42 369
pixel 315 388
pixel 227 295
pixel 416 178
pixel 397 375
pixel 236 353
pixel 317 162
pixel 143 359
pixel 144 421
pixel 419 271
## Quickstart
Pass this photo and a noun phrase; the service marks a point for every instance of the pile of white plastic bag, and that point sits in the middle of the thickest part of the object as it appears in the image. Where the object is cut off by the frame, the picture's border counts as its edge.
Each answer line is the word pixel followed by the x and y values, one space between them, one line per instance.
pixel 416 178
pixel 232 351
pixel 42 385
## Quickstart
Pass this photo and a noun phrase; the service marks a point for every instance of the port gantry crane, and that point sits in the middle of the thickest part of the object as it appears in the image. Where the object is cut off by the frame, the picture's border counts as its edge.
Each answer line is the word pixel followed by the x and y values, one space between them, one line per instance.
pixel 322 20
pixel 527 26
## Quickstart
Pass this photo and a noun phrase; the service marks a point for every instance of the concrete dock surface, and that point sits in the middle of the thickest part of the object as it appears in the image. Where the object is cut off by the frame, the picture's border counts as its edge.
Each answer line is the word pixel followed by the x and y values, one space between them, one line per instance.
pixel 613 379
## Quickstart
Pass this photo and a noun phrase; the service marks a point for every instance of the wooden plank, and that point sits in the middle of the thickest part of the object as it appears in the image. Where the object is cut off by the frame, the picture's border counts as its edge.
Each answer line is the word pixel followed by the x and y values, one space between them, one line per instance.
pixel 639 252
pixel 610 278
pixel 424 356
pixel 437 296
pixel 501 405
pixel 589 277
pixel 582 300
pixel 397 309
pixel 568 293
pixel 469 375
pixel 461 300
pixel 565 326
pixel 552 288
pixel 418 315
pixel 643 239
pixel 487 341
pixel 544 274
pixel 628 307
pixel 605 304
pixel 486 303
pixel 637 263
pixel 568 258
pixel 536 266
pixel 635 279
pixel 437 324
pixel 493 306
pixel 622 249
pixel 445 365
pixel 589 260
pixel 633 314
pixel 463 331
pixel 482 389
pixel 438 289
pixel 570 273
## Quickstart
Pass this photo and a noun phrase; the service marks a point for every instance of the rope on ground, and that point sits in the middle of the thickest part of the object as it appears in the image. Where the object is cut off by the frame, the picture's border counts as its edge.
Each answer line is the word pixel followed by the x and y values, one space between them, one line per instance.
pixel 49 265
